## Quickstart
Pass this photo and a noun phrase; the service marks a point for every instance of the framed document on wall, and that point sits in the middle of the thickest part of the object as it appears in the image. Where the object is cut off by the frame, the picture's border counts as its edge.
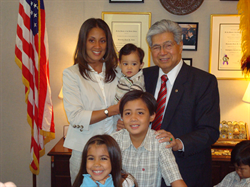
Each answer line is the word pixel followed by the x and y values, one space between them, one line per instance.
pixel 225 47
pixel 129 27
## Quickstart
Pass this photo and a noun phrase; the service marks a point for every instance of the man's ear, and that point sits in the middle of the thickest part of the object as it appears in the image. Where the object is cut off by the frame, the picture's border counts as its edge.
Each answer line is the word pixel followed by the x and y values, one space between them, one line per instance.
pixel 152 117
pixel 181 47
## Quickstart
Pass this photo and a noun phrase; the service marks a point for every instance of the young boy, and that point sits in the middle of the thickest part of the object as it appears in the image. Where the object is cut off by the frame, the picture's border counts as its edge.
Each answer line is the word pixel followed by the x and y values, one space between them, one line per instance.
pixel 131 63
pixel 142 155
pixel 240 157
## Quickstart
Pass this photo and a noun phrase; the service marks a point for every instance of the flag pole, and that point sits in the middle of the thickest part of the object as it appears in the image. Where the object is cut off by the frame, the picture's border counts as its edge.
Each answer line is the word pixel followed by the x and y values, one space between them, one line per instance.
pixel 34 180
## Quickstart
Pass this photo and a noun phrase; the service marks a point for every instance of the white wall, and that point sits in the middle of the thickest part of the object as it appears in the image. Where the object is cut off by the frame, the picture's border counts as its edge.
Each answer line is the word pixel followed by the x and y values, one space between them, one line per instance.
pixel 63 19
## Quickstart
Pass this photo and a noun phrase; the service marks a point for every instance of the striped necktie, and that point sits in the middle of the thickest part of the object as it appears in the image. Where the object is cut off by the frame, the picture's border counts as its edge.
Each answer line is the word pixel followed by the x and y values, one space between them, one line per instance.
pixel 161 100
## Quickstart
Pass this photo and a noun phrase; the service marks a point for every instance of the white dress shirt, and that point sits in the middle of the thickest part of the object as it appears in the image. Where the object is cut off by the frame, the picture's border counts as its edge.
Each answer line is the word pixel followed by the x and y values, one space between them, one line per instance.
pixel 170 82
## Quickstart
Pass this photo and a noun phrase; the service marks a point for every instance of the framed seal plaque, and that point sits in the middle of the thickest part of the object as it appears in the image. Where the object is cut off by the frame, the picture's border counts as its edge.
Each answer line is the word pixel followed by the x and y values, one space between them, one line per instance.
pixel 181 7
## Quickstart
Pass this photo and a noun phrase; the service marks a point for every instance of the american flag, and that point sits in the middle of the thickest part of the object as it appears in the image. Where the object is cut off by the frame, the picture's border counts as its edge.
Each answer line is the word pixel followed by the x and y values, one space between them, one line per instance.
pixel 31 55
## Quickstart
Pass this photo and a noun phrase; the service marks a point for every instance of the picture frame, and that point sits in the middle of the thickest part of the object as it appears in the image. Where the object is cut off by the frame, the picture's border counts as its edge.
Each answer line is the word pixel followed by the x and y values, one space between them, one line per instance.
pixel 225 47
pixel 189 35
pixel 126 1
pixel 188 61
pixel 129 27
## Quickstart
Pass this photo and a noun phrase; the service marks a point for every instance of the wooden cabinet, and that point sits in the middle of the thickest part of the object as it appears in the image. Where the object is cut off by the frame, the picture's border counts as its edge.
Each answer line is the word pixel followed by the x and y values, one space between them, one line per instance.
pixel 221 164
pixel 60 176
pixel 220 169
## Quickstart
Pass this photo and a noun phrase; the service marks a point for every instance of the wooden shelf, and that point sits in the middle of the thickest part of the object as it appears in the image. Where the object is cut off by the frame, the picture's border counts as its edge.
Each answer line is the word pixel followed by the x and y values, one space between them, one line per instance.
pixel 227 142
pixel 60 175
pixel 221 164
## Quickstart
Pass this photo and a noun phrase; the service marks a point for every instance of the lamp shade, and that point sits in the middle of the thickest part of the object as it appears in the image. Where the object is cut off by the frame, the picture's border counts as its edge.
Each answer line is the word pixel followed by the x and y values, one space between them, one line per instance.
pixel 246 97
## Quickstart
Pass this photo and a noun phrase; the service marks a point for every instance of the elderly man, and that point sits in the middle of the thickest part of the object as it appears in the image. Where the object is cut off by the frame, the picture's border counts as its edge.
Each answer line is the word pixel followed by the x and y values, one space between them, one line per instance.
pixel 188 113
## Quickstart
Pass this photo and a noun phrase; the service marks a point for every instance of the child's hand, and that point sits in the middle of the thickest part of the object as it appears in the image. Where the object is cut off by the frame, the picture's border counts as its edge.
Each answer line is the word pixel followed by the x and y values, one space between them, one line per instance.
pixel 120 125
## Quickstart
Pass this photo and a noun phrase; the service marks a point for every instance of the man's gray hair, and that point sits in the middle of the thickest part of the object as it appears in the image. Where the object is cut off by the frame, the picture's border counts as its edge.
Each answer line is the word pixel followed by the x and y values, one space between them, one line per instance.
pixel 164 26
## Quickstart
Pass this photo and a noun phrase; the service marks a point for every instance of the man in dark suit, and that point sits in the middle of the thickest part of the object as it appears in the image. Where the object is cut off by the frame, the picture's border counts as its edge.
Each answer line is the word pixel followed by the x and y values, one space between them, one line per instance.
pixel 192 114
pixel 191 38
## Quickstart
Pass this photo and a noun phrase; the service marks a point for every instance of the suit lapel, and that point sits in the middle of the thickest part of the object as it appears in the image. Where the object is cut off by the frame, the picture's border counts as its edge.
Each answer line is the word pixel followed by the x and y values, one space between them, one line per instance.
pixel 151 78
pixel 175 96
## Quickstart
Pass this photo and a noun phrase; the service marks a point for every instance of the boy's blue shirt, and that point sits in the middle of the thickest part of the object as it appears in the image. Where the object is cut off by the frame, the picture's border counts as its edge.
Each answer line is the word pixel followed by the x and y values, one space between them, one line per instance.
pixel 88 182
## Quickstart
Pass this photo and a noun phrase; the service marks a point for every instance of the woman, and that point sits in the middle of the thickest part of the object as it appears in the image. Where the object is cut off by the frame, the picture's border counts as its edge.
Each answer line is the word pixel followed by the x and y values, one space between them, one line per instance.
pixel 89 89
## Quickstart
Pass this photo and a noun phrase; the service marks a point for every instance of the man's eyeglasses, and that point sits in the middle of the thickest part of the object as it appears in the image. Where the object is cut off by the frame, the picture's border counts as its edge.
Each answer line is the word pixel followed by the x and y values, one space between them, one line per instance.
pixel 166 46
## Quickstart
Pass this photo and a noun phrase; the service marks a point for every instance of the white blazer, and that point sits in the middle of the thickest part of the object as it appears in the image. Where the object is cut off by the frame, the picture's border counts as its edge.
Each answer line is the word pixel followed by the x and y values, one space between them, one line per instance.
pixel 80 98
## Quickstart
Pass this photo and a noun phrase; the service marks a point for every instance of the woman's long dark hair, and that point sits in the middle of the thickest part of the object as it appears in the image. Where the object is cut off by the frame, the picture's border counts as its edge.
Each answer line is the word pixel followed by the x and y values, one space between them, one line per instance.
pixel 109 57
pixel 115 158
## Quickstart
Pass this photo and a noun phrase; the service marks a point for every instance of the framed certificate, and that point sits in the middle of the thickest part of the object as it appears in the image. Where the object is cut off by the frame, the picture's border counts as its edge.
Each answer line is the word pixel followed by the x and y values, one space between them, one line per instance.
pixel 129 27
pixel 225 47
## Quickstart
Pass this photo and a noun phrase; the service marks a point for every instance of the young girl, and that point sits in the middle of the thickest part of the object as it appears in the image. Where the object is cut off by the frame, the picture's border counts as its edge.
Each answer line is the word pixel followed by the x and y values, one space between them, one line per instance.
pixel 102 165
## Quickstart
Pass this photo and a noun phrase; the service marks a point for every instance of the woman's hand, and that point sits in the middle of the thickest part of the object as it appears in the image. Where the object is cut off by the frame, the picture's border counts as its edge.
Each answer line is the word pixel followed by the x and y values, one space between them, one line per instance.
pixel 99 115
pixel 120 125
pixel 165 136
pixel 114 109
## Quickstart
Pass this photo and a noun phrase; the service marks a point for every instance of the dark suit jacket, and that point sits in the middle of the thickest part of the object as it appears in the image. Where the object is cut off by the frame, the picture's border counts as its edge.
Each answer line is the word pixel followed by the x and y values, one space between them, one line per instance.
pixel 191 41
pixel 193 115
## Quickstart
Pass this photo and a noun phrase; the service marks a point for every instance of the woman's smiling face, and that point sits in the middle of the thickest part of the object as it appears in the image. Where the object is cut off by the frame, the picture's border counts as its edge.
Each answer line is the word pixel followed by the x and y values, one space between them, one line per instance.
pixel 96 45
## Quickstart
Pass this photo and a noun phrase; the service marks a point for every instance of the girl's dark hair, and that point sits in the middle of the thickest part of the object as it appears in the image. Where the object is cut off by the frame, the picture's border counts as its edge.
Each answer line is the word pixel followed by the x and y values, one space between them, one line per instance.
pixel 115 158
pixel 109 57
pixel 241 153
pixel 129 48
pixel 146 97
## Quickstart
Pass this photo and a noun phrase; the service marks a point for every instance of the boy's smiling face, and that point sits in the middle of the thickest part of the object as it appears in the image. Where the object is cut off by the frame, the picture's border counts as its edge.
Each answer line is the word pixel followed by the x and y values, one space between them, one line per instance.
pixel 136 118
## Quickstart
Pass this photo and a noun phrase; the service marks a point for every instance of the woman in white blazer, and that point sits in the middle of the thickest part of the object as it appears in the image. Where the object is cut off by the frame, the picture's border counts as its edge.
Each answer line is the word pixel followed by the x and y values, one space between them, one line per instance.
pixel 89 89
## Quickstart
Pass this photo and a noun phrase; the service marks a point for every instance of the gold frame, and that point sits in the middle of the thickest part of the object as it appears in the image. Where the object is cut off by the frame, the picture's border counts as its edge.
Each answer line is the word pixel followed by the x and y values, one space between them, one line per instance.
pixel 215 21
pixel 143 18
